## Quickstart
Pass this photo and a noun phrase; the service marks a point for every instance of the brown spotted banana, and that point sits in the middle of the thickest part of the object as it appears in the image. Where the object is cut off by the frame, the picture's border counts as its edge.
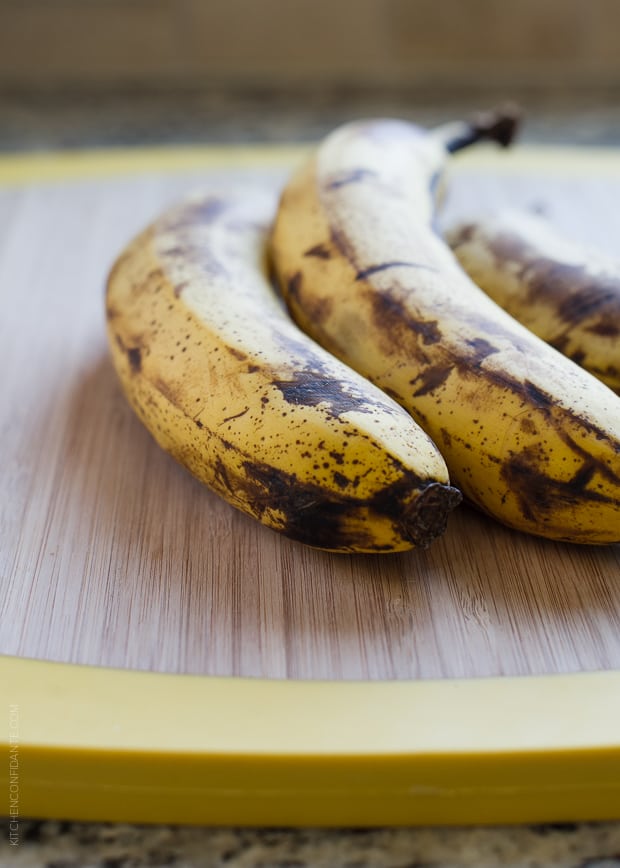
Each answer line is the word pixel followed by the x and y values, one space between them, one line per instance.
pixel 565 292
pixel 529 437
pixel 225 382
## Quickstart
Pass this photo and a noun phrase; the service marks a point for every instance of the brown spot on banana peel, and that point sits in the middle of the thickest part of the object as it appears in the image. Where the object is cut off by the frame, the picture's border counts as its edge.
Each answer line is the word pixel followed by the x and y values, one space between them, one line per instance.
pixel 393 394
pixel 310 387
pixel 539 495
pixel 327 518
pixel 481 348
pixel 528 426
pixel 392 316
pixel 351 176
pixel 133 353
pixel 574 293
pixel 319 309
pixel 312 519
pixel 238 415
pixel 238 354
pixel 386 266
pixel 588 301
pixel 169 391
pixel 581 302
pixel 605 330
pixel 341 243
pixel 293 285
pixel 463 234
pixel 598 466
pixel 204 211
pixel 431 379
pixel 332 519
pixel 178 289
pixel 320 251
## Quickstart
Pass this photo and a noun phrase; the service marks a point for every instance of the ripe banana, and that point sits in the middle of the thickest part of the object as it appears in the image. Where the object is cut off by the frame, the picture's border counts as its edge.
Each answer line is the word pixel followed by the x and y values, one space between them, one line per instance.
pixel 528 436
pixel 566 294
pixel 223 379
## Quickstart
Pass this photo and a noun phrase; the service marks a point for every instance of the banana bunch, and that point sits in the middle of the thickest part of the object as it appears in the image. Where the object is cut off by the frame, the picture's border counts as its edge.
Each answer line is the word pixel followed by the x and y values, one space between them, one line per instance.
pixel 528 436
pixel 565 293
pixel 226 383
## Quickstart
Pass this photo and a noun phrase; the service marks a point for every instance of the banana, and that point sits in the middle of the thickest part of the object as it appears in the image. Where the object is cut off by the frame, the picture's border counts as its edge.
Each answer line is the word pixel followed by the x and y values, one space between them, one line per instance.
pixel 564 292
pixel 215 368
pixel 529 437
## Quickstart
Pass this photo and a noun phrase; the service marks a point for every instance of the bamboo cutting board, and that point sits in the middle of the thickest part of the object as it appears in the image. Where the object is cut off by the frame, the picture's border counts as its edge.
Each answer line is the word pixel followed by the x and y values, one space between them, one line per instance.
pixel 111 555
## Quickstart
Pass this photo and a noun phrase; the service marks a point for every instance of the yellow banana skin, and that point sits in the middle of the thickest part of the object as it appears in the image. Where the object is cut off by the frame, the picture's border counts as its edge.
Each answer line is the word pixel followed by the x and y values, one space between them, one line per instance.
pixel 566 294
pixel 528 436
pixel 226 383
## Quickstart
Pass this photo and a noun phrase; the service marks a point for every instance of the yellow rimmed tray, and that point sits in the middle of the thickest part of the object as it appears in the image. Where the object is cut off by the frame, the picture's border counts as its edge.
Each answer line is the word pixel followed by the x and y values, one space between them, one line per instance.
pixel 167 660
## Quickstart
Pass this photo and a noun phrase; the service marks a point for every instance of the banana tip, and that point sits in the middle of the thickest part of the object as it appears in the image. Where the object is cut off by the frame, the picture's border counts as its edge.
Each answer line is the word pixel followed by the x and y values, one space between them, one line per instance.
pixel 500 125
pixel 428 516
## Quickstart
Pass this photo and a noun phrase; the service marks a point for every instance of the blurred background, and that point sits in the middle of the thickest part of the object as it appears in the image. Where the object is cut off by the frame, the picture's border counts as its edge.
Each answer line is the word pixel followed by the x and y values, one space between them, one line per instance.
pixel 75 73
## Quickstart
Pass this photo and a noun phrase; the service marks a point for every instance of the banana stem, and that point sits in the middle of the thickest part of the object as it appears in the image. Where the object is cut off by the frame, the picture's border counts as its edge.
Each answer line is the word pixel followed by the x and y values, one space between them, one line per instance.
pixel 498 126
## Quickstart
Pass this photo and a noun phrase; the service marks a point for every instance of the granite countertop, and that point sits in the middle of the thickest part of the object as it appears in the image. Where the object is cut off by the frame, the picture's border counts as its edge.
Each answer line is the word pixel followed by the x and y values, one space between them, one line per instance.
pixel 90 845
pixel 53 121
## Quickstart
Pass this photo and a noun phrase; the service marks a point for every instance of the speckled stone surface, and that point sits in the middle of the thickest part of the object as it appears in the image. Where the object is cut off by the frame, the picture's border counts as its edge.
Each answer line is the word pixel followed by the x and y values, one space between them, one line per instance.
pixel 44 121
pixel 75 845
pixel 50 120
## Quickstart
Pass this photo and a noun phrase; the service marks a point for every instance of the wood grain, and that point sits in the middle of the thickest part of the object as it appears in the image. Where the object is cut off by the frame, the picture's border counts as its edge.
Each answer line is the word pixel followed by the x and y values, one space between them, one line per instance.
pixel 557 46
pixel 111 554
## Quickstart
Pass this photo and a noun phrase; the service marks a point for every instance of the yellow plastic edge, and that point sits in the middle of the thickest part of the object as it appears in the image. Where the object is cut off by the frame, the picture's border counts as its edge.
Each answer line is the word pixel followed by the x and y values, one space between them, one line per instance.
pixel 36 167
pixel 103 744
pixel 90 743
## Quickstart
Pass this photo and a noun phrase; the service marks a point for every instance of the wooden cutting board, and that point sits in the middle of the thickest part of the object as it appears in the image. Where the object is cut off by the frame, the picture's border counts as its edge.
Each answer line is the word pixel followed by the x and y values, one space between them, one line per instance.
pixel 235 677
pixel 112 554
